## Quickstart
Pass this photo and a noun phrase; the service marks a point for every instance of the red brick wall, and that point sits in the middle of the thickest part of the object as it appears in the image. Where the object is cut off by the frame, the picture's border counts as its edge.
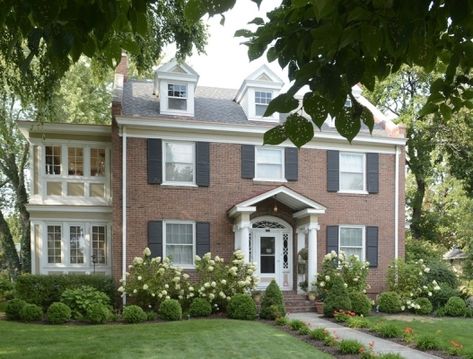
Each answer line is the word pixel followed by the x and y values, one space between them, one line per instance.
pixel 227 188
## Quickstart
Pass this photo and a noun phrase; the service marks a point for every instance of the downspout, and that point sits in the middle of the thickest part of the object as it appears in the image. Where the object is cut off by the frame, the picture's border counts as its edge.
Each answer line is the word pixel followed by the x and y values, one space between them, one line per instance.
pixel 124 143
pixel 396 206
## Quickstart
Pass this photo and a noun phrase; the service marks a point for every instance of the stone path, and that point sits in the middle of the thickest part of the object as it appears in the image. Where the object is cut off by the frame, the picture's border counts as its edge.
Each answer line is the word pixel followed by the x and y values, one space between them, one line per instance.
pixel 380 345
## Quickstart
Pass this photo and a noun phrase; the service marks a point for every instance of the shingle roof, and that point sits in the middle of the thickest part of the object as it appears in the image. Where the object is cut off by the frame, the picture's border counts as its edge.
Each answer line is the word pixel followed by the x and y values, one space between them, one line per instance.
pixel 212 104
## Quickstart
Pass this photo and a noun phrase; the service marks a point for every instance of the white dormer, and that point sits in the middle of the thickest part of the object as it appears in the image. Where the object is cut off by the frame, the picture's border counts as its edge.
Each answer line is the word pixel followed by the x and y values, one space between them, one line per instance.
pixel 257 91
pixel 175 84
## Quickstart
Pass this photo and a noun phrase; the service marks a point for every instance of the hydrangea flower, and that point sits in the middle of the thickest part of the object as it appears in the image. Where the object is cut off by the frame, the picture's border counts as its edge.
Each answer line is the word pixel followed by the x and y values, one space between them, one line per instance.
pixel 147 252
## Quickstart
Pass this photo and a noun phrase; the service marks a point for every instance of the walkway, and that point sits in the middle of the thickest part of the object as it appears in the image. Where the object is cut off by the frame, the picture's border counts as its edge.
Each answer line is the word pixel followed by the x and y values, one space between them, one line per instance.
pixel 380 345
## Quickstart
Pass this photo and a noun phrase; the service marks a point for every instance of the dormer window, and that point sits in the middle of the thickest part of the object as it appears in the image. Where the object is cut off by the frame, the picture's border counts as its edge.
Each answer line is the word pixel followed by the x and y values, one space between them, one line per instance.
pixel 177 97
pixel 262 99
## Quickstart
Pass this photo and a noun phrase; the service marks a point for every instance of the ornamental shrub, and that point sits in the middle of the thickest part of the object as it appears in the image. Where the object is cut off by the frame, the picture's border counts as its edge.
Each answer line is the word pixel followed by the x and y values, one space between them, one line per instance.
pixel 442 273
pixel 170 309
pixel 31 313
pixel 272 305
pixel 357 322
pixel 220 281
pixel 440 297
pixel 428 342
pixel 150 281
pixel 7 289
pixel 424 307
pixel 360 303
pixel 14 308
pixel 134 314
pixel 349 346
pixel 97 313
pixel 297 324
pixel 82 298
pixel 387 330
pixel 242 306
pixel 58 313
pixel 389 302
pixel 455 307
pixel 151 315
pixel 337 297
pixel 43 290
pixel 200 307
pixel 282 321
pixel 319 334
pixel 390 356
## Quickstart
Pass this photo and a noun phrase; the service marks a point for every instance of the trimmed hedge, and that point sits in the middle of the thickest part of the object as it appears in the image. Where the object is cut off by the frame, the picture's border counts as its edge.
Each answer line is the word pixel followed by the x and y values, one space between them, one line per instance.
pixel 425 306
pixel 170 309
pixel 134 314
pixel 14 308
pixel 389 302
pixel 31 313
pixel 360 303
pixel 43 290
pixel 455 307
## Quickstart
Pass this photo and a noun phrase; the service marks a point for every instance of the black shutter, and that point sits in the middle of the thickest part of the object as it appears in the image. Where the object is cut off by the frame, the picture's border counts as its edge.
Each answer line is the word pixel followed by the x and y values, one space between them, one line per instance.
pixel 247 161
pixel 202 234
pixel 202 160
pixel 155 238
pixel 291 163
pixel 333 175
pixel 372 246
pixel 155 161
pixel 332 239
pixel 372 169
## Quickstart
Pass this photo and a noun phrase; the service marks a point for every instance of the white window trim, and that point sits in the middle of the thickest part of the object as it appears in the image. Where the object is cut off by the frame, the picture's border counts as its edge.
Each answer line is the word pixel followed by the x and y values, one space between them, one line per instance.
pixel 283 169
pixel 46 247
pixel 194 244
pixel 263 104
pixel 251 103
pixel 67 241
pixel 186 111
pixel 167 182
pixel 353 191
pixel 363 240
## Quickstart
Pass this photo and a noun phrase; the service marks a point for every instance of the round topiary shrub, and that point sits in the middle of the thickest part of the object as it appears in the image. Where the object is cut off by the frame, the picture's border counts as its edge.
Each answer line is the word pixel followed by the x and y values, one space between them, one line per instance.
pixel 425 306
pixel 31 313
pixel 242 306
pixel 389 302
pixel 360 303
pixel 170 309
pixel 337 298
pixel 58 313
pixel 97 313
pixel 272 305
pixel 134 314
pixel 200 307
pixel 455 307
pixel 14 308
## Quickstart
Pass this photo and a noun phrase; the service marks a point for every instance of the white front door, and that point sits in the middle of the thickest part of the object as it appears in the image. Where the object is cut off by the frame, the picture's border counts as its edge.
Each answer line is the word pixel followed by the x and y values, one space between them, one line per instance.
pixel 272 252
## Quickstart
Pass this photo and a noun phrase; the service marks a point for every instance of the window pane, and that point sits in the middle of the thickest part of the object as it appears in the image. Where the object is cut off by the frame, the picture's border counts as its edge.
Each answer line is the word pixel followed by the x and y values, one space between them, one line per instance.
pixel 269 156
pixel 99 252
pixel 75 189
pixel 260 110
pixel 177 90
pixel 179 152
pixel 179 162
pixel 267 245
pixel 54 244
pixel 53 160
pixel 351 162
pixel 269 171
pixel 351 181
pixel 180 254
pixel 177 233
pixel 97 162
pixel 179 172
pixel 75 156
pixel 262 97
pixel 177 104
pixel 76 240
pixel 267 264
pixel 351 237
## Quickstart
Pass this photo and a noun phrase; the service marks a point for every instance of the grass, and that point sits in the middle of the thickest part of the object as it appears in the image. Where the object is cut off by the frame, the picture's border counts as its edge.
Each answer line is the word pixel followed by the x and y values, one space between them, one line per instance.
pixel 211 338
pixel 445 329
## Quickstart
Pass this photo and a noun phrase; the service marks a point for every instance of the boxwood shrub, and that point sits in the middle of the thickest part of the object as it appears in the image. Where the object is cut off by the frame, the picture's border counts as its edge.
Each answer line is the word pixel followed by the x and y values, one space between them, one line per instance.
pixel 170 309
pixel 425 306
pixel 360 303
pixel 200 307
pixel 389 302
pixel 242 306
pixel 134 314
pixel 58 313
pixel 43 290
pixel 97 313
pixel 14 308
pixel 31 313
pixel 455 307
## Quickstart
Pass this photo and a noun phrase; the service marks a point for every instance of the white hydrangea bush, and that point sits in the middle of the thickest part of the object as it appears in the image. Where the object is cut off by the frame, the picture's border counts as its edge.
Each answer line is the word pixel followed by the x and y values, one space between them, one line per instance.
pixel 219 281
pixel 149 281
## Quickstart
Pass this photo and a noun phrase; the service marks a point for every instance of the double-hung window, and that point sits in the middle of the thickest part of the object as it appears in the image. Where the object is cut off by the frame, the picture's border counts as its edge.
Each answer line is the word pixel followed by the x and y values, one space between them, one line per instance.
pixel 76 244
pixel 53 160
pixel 352 239
pixel 179 242
pixel 352 172
pixel 177 97
pixel 179 162
pixel 54 244
pixel 262 99
pixel 269 164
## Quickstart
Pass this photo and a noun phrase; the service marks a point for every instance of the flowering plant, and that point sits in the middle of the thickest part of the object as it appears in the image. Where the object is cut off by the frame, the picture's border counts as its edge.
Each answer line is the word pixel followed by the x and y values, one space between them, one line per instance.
pixel 219 281
pixel 351 269
pixel 152 280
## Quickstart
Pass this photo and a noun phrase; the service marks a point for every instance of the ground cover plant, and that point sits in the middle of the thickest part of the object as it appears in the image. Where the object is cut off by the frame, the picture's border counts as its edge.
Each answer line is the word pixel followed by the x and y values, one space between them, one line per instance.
pixel 222 338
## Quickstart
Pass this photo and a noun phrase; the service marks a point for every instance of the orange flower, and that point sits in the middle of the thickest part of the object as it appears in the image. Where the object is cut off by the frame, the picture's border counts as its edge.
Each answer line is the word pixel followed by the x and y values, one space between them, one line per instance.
pixel 362 350
pixel 408 331
pixel 456 344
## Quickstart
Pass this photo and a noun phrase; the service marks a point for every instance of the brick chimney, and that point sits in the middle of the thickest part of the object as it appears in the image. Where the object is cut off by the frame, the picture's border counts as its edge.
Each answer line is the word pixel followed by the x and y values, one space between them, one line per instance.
pixel 121 76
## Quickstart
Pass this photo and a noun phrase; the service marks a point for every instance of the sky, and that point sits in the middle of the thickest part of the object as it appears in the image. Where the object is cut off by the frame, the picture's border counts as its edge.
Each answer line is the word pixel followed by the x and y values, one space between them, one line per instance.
pixel 226 63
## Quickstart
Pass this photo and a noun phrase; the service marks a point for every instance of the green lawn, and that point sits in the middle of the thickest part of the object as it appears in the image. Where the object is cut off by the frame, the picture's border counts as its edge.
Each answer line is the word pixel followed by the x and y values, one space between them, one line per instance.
pixel 213 338
pixel 446 329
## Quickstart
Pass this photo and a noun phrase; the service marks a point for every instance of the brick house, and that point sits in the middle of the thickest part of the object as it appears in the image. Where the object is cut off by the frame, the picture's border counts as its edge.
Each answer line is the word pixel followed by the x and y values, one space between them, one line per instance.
pixel 182 170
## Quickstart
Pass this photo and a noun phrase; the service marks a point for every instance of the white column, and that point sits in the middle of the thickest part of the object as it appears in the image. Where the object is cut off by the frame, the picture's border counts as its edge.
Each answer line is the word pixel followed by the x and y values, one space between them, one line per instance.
pixel 242 234
pixel 312 253
pixel 300 244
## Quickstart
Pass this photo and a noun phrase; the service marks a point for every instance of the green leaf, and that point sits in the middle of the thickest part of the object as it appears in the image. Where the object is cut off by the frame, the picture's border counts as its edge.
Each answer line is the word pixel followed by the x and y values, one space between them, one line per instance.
pixel 257 2
pixel 316 107
pixel 275 136
pixel 347 125
pixel 428 108
pixel 194 10
pixel 272 54
pixel 299 130
pixel 323 8
pixel 283 103
pixel 243 33
pixel 367 118
pixel 446 111
pixel 222 19
pixel 257 21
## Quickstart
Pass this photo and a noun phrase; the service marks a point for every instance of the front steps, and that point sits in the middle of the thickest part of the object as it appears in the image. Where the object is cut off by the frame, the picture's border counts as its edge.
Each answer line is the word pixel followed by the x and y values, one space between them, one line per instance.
pixel 297 303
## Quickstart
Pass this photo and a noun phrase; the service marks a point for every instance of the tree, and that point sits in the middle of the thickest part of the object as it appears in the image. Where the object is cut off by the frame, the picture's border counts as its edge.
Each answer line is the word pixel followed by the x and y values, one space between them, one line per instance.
pixel 55 34
pixel 331 45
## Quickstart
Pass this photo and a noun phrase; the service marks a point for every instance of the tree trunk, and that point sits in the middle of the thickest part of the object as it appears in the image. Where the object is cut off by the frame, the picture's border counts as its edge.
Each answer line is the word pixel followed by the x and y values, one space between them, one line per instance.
pixel 417 210
pixel 6 240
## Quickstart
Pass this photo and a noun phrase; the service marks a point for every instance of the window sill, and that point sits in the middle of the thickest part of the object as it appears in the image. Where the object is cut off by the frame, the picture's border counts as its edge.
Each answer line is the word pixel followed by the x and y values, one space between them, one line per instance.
pixel 353 192
pixel 269 180
pixel 265 119
pixel 177 184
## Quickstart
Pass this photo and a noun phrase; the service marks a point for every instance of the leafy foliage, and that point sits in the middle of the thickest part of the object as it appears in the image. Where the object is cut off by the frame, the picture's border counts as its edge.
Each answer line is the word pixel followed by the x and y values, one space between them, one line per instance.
pixel 350 346
pixel 58 313
pixel 387 330
pixel 200 307
pixel 81 300
pixel 31 313
pixel 14 308
pixel 428 342
pixel 97 313
pixel 360 303
pixel 389 302
pixel 425 306
pixel 134 314
pixel 272 305
pixel 455 307
pixel 337 298
pixel 170 309
pixel 242 306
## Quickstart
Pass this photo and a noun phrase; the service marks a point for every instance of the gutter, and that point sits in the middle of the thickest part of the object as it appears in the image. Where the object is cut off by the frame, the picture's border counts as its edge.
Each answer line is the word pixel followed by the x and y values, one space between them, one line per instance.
pixel 124 203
